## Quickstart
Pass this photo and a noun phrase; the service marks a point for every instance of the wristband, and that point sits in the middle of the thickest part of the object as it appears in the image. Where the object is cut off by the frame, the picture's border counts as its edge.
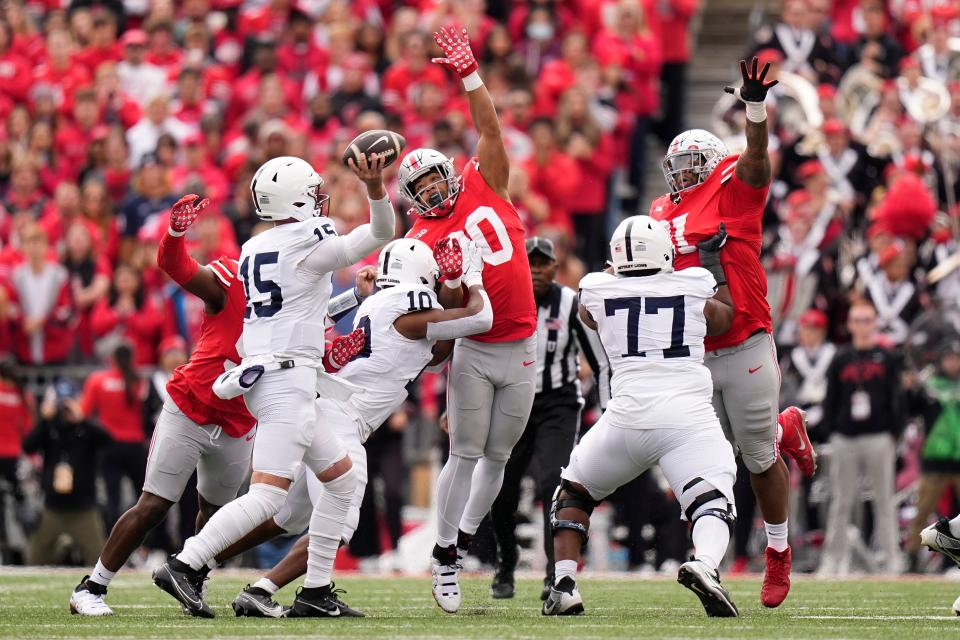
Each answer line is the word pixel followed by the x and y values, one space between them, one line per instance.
pixel 756 111
pixel 472 82
pixel 454 283
pixel 175 233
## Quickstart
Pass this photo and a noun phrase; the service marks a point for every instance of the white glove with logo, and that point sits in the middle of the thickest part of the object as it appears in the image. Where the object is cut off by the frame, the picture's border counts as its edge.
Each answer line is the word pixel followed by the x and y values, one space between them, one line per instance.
pixel 472 264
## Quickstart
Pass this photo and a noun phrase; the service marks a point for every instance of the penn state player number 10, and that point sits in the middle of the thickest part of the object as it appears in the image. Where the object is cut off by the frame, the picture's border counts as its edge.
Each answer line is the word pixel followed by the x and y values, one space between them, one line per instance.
pixel 637 308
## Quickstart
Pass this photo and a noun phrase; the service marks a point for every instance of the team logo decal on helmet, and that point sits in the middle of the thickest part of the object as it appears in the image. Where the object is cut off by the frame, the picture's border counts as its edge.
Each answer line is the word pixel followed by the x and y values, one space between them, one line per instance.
pixel 287 187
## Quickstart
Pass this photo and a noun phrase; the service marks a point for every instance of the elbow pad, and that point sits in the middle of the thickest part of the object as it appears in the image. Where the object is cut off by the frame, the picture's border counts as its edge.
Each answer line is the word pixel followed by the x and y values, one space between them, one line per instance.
pixel 480 322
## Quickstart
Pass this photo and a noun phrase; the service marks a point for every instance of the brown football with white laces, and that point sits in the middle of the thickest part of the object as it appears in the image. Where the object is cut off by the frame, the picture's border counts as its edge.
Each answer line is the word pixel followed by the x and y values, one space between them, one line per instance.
pixel 376 141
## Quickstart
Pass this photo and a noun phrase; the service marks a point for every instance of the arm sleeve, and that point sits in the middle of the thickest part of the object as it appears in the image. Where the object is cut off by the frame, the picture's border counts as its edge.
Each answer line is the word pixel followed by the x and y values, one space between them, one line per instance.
pixel 337 252
pixel 173 259
pixel 589 342
pixel 343 304
pixel 468 326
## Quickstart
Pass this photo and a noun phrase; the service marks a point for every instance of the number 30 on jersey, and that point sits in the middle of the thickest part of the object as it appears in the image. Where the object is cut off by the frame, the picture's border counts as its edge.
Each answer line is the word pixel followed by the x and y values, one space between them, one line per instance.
pixel 484 227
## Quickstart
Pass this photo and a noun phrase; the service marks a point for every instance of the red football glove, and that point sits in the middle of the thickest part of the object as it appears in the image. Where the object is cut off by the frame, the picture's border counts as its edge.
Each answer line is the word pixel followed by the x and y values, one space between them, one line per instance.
pixel 449 256
pixel 344 349
pixel 185 211
pixel 456 46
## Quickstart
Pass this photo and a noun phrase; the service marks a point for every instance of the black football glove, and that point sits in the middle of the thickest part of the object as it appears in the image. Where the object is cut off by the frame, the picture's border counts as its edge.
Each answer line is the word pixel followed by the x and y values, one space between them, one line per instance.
pixel 710 254
pixel 753 89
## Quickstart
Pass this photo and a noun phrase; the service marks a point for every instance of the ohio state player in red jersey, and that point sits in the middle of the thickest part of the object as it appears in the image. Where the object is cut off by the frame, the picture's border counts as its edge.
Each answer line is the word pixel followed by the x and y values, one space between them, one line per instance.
pixel 709 187
pixel 492 375
pixel 197 429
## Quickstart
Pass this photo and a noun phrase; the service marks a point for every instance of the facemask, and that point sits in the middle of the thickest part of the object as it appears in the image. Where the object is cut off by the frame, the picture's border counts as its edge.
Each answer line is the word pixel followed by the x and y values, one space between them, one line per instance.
pixel 540 31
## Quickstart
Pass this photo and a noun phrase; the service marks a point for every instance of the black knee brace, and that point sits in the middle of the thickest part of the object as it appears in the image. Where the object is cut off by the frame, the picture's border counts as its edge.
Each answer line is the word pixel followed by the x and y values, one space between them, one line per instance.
pixel 575 499
pixel 727 515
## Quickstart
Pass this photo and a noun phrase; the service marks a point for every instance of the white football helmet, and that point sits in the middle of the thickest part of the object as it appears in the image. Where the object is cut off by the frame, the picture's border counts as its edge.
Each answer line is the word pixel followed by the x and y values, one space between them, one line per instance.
pixel 419 163
pixel 287 187
pixel 697 152
pixel 640 242
pixel 407 261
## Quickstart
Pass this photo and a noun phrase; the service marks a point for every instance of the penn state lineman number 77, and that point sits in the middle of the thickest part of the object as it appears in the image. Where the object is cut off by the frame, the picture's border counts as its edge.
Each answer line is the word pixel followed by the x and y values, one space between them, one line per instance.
pixel 634 306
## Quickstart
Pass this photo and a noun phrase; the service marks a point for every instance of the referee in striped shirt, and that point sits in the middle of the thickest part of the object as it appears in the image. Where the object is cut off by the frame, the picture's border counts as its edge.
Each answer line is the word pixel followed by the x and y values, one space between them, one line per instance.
pixel 555 418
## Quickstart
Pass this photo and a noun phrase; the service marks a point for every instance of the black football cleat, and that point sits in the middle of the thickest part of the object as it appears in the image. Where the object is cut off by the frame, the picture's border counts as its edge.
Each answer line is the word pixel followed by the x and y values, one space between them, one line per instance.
pixel 502 587
pixel 184 584
pixel 254 602
pixel 697 577
pixel 321 602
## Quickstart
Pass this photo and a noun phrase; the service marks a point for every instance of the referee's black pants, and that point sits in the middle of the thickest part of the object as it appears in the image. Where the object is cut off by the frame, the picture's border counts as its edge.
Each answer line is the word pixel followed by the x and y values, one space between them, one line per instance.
pixel 542 450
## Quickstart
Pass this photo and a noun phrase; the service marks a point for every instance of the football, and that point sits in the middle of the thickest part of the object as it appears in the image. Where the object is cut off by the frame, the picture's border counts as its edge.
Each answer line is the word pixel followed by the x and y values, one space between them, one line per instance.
pixel 376 141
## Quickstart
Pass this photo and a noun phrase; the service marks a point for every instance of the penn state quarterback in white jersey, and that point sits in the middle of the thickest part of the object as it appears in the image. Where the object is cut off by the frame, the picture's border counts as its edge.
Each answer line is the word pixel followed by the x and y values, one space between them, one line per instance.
pixel 286 274
pixel 652 322
pixel 402 323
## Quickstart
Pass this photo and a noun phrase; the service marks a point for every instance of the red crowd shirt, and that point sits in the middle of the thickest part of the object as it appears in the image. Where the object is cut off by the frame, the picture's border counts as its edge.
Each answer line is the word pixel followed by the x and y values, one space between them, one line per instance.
pixel 145 327
pixel 724 197
pixel 494 224
pixel 673 28
pixel 17 420
pixel 104 396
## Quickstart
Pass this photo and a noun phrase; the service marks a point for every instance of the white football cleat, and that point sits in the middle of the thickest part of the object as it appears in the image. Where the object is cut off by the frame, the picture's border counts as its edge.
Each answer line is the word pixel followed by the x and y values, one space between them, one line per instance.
pixel 937 537
pixel 86 603
pixel 563 599
pixel 446 585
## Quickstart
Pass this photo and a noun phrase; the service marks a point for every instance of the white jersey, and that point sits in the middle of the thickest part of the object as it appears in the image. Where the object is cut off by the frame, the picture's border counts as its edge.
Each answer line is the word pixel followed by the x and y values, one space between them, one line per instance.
pixel 388 361
pixel 652 329
pixel 286 305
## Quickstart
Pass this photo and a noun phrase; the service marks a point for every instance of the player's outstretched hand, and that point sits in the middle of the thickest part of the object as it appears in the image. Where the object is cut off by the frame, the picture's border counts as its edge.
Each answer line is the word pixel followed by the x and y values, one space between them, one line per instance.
pixel 714 243
pixel 753 89
pixel 456 48
pixel 472 263
pixel 449 256
pixel 365 281
pixel 369 170
pixel 185 211
pixel 343 349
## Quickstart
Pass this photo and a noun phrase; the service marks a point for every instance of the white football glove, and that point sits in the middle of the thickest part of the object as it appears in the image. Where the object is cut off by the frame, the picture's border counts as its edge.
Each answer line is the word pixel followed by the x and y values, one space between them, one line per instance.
pixel 472 264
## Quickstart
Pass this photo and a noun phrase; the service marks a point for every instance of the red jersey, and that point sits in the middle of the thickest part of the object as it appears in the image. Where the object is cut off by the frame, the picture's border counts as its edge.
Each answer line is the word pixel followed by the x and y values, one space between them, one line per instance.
pixel 191 386
pixel 724 197
pixel 493 223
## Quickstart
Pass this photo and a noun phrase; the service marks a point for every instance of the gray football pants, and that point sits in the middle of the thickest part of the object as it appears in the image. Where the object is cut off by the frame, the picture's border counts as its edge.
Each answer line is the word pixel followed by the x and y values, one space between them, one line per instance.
pixel 489 396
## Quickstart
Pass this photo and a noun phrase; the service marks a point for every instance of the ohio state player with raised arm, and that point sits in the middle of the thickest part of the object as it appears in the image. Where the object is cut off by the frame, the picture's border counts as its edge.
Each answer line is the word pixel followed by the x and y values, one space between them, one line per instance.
pixel 707 187
pixel 196 430
pixel 492 375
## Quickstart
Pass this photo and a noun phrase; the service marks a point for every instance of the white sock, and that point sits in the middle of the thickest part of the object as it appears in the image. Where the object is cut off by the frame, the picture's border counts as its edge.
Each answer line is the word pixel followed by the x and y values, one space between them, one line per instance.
pixel 565 569
pixel 710 539
pixel 212 564
pixel 453 491
pixel 954 528
pixel 326 525
pixel 777 535
pixel 101 575
pixel 231 522
pixel 267 585
pixel 486 482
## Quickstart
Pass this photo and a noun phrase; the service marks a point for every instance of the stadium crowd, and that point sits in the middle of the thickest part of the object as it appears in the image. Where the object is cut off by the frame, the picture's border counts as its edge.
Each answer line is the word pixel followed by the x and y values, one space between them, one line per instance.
pixel 109 111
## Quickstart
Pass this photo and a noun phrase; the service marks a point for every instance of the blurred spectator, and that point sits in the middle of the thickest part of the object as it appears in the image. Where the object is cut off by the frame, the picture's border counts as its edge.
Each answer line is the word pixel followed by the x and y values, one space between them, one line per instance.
pixel 129 313
pixel 876 47
pixel 673 18
pixel 18 408
pixel 402 81
pixel 862 412
pixel 804 369
pixel 139 78
pixel 149 197
pixel 806 51
pixel 553 174
pixel 114 396
pixel 593 151
pixel 936 399
pixel 89 275
pixel 895 296
pixel 171 353
pixel 43 312
pixel 70 447
pixel 143 136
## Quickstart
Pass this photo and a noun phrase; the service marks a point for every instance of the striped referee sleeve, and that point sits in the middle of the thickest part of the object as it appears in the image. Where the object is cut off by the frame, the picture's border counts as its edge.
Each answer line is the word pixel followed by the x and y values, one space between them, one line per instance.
pixel 589 343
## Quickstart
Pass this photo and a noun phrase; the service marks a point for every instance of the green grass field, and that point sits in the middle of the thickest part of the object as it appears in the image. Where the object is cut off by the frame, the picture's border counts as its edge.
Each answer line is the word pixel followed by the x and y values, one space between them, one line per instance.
pixel 34 605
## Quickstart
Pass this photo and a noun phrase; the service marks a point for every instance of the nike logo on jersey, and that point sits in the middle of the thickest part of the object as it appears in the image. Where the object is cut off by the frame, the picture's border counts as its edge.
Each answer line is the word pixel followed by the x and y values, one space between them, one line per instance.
pixel 250 437
pixel 754 370
pixel 527 363
pixel 803 445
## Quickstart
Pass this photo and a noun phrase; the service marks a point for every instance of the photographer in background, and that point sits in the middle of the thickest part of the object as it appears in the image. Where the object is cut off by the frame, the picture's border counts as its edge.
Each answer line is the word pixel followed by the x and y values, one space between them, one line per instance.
pixel 69 445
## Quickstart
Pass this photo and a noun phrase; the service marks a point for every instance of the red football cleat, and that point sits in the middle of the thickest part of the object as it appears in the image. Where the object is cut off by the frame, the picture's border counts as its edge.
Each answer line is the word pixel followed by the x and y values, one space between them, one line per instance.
pixel 776 577
pixel 795 442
